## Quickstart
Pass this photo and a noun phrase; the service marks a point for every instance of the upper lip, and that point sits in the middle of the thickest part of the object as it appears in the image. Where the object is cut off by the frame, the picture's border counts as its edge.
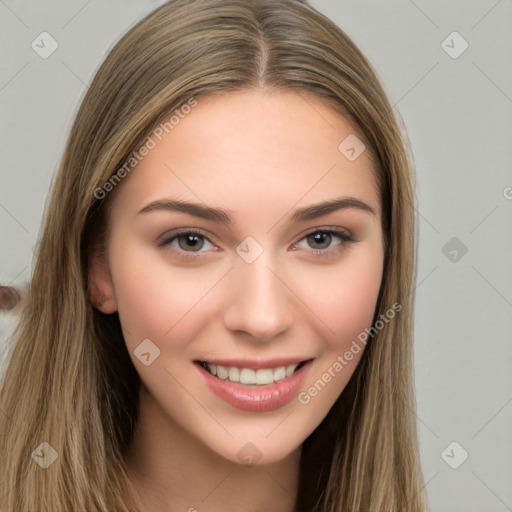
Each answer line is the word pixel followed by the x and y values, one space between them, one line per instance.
pixel 256 363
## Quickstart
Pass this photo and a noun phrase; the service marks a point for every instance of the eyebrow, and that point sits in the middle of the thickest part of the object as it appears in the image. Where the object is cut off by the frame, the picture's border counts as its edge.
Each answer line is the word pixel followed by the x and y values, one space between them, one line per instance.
pixel 224 216
pixel 320 209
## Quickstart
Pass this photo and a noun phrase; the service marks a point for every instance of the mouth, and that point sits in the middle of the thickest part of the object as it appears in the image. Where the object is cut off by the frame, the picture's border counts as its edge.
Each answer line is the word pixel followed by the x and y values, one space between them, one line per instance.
pixel 252 377
pixel 255 385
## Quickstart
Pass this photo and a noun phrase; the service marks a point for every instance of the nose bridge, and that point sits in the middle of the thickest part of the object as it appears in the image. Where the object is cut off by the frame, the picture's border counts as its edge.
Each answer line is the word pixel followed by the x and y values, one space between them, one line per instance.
pixel 259 302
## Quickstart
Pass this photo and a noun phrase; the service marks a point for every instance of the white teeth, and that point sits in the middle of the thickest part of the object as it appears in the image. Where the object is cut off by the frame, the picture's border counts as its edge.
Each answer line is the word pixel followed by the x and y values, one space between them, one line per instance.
pixel 290 369
pixel 279 373
pixel 263 376
pixel 234 374
pixel 222 373
pixel 247 376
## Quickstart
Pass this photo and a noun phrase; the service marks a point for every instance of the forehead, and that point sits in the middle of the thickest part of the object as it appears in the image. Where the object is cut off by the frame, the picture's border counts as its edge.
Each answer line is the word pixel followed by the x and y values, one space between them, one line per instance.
pixel 252 152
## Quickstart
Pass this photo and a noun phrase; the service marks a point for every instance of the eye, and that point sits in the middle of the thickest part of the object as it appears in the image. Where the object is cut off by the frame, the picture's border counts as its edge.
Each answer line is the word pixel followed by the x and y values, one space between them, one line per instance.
pixel 187 241
pixel 321 241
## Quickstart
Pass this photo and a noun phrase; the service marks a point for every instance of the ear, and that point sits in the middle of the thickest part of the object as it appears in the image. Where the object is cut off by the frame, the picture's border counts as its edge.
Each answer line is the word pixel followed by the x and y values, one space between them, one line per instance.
pixel 101 289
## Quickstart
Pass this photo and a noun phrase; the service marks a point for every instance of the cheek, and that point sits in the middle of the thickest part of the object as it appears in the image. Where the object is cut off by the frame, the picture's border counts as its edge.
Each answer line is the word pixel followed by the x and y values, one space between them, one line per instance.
pixel 345 302
pixel 157 300
pixel 353 304
pixel 344 298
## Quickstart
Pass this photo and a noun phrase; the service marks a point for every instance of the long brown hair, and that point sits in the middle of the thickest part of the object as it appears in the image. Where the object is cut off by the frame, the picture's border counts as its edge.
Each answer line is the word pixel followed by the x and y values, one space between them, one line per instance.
pixel 70 382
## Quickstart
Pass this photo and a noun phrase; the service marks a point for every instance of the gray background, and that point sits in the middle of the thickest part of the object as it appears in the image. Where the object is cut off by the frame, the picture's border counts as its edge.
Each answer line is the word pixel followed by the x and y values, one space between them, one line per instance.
pixel 458 114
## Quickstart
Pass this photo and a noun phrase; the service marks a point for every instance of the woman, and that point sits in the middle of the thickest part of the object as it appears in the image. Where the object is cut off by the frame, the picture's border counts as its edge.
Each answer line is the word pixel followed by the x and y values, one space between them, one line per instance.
pixel 220 315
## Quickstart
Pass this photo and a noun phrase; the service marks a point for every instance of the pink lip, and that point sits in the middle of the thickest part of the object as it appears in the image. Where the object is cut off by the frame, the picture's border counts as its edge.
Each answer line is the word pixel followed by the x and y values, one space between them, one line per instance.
pixel 257 399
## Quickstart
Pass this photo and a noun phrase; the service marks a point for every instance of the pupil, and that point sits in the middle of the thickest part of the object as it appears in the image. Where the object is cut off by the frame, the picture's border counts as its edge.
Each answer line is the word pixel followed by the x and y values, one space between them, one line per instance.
pixel 319 237
pixel 191 242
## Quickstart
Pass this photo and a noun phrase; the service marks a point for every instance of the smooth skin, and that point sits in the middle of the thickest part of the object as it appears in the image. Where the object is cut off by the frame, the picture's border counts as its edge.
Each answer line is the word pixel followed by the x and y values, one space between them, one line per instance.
pixel 260 157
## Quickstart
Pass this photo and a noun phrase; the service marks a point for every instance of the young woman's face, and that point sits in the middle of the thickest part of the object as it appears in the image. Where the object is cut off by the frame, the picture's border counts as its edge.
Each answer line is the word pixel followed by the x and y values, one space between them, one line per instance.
pixel 220 252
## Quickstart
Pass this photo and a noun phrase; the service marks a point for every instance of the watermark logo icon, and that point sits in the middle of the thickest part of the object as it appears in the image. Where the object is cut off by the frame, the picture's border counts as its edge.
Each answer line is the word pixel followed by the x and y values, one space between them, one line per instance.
pixel 147 352
pixel 454 455
pixel 351 147
pixel 44 45
pixel 249 454
pixel 454 45
pixel 454 249
pixel 249 250
pixel 45 455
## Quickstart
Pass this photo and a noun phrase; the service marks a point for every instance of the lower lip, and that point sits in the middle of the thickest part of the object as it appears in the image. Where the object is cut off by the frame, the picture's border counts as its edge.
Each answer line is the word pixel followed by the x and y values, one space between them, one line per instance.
pixel 260 399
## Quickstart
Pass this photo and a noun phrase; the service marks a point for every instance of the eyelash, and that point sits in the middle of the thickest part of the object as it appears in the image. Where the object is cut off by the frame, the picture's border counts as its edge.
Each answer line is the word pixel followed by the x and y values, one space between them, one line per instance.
pixel 322 253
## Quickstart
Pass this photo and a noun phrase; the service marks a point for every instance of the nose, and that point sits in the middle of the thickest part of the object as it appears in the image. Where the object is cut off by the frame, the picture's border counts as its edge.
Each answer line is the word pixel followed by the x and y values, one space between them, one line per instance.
pixel 259 301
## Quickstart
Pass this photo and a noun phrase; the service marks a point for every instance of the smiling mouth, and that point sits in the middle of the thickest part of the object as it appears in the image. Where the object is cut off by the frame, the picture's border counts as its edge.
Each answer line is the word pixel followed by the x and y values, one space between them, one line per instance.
pixel 252 377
